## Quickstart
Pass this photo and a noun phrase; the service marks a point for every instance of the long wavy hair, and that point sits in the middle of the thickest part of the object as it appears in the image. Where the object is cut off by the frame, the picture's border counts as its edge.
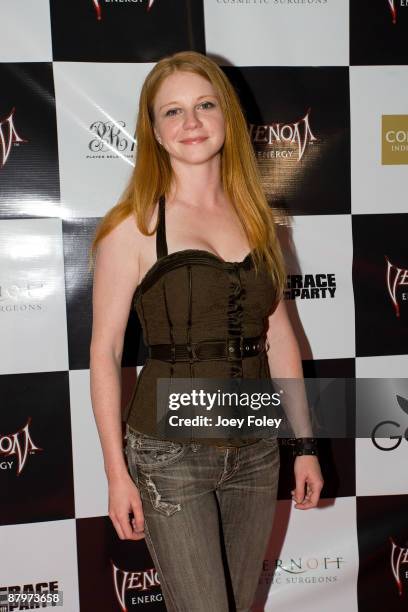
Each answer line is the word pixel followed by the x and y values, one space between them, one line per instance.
pixel 153 174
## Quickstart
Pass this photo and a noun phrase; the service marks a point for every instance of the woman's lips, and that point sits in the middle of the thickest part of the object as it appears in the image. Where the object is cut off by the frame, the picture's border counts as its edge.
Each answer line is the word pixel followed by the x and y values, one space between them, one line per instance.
pixel 194 140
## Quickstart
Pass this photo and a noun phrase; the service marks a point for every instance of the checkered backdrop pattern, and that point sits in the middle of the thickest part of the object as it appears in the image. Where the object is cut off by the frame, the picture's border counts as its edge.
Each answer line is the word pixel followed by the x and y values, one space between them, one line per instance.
pixel 324 85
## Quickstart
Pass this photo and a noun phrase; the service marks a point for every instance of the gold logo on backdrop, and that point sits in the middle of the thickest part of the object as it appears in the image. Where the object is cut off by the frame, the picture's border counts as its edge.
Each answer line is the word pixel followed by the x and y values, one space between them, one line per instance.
pixel 394 139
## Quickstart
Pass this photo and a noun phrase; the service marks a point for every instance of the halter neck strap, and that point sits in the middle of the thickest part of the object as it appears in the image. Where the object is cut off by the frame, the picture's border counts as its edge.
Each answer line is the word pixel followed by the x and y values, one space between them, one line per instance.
pixel 161 242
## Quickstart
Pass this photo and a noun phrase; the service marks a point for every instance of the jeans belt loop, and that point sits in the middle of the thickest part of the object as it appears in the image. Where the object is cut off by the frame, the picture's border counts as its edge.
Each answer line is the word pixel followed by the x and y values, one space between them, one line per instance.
pixel 191 349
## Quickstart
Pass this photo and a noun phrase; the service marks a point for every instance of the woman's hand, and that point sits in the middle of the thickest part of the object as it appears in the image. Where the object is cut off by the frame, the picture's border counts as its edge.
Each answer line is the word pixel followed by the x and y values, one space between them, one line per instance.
pixel 307 472
pixel 124 497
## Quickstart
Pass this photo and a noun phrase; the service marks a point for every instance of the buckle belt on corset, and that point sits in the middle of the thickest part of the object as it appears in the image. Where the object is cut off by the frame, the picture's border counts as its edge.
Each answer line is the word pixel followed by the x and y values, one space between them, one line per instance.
pixel 230 348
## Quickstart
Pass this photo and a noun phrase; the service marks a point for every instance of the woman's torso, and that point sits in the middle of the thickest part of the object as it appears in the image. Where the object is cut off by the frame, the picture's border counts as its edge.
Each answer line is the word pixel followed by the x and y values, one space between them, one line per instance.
pixel 192 296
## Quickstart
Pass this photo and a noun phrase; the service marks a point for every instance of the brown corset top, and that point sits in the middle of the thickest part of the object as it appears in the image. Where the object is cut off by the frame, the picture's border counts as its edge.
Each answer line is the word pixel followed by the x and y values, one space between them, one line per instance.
pixel 190 296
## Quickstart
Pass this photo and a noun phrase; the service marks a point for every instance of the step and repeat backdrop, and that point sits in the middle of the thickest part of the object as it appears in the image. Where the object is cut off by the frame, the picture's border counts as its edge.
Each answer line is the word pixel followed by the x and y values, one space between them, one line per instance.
pixel 324 85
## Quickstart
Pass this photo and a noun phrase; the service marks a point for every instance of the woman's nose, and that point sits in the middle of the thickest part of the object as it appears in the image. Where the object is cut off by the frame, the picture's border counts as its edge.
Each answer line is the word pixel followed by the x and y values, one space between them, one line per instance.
pixel 191 119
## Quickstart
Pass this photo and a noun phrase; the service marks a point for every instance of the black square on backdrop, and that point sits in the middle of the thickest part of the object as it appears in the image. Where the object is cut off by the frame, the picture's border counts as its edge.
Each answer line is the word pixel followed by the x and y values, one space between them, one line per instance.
pixel 29 172
pixel 337 455
pixel 378 32
pixel 382 531
pixel 36 443
pixel 115 574
pixel 126 31
pixel 299 121
pixel 78 234
pixel 380 284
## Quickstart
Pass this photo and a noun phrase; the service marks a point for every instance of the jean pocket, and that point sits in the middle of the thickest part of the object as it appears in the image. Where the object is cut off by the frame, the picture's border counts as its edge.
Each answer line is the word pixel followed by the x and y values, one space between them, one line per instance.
pixel 271 441
pixel 151 452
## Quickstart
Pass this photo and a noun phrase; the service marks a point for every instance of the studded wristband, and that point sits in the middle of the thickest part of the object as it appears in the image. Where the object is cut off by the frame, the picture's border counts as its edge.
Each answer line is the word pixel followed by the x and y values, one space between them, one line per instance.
pixel 305 446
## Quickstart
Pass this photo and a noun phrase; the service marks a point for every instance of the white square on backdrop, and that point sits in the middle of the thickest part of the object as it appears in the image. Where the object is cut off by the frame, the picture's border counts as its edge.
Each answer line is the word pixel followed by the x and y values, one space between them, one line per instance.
pixel 316 555
pixel 25 31
pixel 42 552
pixel 323 324
pixel 376 91
pixel 97 107
pixel 33 326
pixel 269 33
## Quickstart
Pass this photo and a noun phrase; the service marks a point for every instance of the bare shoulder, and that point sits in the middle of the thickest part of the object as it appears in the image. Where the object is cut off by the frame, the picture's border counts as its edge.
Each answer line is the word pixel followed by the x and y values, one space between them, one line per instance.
pixel 125 248
pixel 119 250
pixel 126 235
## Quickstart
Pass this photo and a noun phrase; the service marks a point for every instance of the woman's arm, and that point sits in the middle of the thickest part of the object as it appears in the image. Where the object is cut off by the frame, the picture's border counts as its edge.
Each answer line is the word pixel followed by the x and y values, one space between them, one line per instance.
pixel 285 361
pixel 115 279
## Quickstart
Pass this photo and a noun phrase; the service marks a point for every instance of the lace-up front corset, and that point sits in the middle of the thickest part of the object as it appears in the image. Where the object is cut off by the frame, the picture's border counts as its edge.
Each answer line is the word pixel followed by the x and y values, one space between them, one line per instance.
pixel 209 313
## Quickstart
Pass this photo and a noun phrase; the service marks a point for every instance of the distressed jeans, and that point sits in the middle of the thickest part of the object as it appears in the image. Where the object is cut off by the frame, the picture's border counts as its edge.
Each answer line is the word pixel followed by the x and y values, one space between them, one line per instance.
pixel 208 514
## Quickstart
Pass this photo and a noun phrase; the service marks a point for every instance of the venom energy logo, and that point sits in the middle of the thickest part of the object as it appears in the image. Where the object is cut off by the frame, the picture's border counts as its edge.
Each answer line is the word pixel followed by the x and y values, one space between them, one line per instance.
pixel 8 136
pixel 287 133
pixel 97 6
pixel 399 556
pixel 141 582
pixel 396 277
pixel 19 444
pixel 393 10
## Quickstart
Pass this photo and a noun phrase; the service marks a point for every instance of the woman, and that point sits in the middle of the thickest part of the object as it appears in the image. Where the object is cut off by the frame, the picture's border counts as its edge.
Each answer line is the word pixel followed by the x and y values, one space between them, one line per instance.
pixel 193 246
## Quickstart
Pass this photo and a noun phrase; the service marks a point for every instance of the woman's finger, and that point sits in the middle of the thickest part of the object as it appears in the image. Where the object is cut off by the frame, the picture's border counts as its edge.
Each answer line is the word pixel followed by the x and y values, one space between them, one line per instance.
pixel 118 527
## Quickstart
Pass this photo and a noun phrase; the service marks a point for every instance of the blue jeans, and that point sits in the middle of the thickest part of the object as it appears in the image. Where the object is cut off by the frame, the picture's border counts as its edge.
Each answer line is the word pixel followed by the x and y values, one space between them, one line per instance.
pixel 208 514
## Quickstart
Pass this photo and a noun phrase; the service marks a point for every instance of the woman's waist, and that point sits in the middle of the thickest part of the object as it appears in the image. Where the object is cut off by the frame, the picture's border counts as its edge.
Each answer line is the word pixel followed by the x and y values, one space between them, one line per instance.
pixel 256 366
pixel 227 348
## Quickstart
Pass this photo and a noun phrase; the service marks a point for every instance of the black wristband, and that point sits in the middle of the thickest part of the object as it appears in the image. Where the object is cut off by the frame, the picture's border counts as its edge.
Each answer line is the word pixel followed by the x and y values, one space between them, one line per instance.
pixel 305 446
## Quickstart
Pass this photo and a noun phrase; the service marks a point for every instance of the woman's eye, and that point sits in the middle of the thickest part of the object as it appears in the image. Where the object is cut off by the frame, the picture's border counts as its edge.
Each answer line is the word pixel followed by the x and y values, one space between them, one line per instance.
pixel 208 104
pixel 173 111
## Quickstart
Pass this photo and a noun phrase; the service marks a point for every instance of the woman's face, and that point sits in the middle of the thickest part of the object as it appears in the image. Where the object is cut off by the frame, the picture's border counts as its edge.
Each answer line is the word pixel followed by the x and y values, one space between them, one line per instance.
pixel 188 119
